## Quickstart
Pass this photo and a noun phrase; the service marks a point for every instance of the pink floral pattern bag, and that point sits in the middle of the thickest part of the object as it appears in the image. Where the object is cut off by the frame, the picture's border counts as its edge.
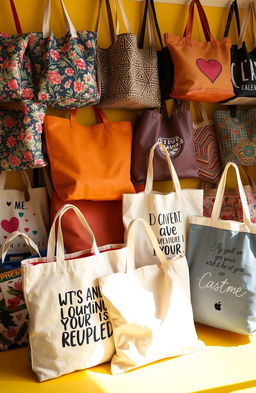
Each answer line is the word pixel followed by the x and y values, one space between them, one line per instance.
pixel 21 145
pixel 15 67
pixel 64 68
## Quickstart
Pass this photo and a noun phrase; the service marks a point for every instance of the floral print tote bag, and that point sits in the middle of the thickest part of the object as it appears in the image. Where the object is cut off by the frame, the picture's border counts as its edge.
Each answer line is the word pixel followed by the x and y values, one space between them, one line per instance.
pixel 21 130
pixel 15 66
pixel 64 68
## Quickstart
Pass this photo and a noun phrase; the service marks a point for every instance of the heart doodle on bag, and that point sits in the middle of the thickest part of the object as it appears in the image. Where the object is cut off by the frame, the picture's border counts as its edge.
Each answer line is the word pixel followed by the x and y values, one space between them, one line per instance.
pixel 210 68
pixel 8 203
pixel 34 232
pixel 26 229
pixel 10 226
pixel 21 214
pixel 26 219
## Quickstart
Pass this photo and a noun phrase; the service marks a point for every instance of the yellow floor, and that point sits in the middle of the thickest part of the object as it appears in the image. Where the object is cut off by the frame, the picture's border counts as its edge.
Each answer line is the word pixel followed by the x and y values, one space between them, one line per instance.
pixel 227 364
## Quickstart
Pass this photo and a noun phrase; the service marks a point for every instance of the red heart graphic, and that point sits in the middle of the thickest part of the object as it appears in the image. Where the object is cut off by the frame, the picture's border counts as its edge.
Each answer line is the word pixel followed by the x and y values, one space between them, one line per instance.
pixel 26 229
pixel 210 68
pixel 5 237
pixel 26 219
pixel 11 225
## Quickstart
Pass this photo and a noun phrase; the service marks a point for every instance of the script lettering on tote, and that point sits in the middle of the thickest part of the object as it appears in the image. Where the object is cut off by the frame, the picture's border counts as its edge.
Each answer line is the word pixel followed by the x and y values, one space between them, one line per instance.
pixel 220 286
pixel 76 311
pixel 170 241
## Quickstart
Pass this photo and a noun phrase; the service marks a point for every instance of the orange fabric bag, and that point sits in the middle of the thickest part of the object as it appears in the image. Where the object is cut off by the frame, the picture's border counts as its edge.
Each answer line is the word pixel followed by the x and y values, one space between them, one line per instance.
pixel 89 162
pixel 201 69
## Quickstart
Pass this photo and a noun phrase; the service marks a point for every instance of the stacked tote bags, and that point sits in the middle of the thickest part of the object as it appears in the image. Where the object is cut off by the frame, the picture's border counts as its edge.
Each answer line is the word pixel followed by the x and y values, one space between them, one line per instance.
pixel 70 329
pixel 222 255
pixel 167 214
pixel 149 307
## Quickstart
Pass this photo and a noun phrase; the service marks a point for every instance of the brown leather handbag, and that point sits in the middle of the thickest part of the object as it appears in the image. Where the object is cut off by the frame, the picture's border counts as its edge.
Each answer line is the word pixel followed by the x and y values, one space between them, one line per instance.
pixel 175 132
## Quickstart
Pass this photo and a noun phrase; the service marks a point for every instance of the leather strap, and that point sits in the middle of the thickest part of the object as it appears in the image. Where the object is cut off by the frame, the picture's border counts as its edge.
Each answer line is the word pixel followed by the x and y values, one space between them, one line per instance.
pixel 204 22
pixel 143 25
pixel 15 17
pixel 110 19
pixel 233 7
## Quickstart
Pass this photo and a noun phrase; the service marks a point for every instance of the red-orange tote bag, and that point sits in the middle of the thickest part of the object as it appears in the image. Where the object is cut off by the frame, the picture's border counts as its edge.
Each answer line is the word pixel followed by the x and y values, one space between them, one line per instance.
pixel 89 162
pixel 201 69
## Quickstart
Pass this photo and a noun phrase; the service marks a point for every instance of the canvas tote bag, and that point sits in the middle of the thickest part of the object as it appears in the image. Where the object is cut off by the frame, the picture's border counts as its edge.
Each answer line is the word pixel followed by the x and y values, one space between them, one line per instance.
pixel 24 210
pixel 167 214
pixel 201 69
pixel 222 259
pixel 128 73
pixel 149 307
pixel 91 162
pixel 69 326
pixel 175 132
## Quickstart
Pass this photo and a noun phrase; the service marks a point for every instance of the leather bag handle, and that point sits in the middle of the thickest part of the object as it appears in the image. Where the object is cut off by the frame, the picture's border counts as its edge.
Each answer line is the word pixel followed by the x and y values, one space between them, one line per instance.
pixel 204 22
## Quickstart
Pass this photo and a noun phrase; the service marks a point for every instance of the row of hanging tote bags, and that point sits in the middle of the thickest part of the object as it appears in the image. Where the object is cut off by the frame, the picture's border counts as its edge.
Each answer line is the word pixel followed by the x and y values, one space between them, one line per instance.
pixel 72 71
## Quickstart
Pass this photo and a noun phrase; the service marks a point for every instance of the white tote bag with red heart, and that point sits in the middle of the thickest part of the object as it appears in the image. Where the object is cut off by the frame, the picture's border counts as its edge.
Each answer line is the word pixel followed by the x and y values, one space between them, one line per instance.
pixel 25 211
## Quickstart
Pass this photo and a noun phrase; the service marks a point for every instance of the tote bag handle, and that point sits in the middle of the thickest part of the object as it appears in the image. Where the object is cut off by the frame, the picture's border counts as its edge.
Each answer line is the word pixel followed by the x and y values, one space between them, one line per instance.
pixel 46 21
pixel 131 244
pixel 220 193
pixel 110 19
pixel 60 255
pixel 173 174
pixel 30 243
pixel 15 17
pixel 233 7
pixel 143 25
pixel 250 14
pixel 124 17
pixel 204 22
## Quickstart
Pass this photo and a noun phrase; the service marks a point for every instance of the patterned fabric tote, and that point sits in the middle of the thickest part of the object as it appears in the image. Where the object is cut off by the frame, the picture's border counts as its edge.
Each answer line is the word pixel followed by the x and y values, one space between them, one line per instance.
pixel 207 148
pixel 128 72
pixel 21 137
pixel 237 135
pixel 64 68
pixel 15 67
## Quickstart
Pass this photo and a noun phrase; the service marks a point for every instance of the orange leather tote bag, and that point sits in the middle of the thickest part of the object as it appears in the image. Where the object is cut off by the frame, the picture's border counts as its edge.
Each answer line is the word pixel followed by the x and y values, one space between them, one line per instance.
pixel 201 69
pixel 89 162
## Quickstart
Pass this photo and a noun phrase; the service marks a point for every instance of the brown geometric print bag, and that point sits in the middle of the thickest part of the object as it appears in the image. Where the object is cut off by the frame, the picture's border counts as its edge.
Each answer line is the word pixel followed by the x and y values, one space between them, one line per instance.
pixel 128 74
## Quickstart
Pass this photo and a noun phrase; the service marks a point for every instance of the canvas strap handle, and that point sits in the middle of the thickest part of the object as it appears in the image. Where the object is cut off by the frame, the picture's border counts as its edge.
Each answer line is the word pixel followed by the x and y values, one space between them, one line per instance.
pixel 124 17
pixel 250 15
pixel 15 17
pixel 46 20
pixel 173 174
pixel 60 255
pixel 110 19
pixel 131 244
pixel 204 22
pixel 31 244
pixel 220 193
pixel 233 8
pixel 202 111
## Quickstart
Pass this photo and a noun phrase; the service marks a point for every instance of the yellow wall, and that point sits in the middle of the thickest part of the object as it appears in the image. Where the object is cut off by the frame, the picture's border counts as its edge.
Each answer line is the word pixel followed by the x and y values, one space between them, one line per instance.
pixel 83 13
